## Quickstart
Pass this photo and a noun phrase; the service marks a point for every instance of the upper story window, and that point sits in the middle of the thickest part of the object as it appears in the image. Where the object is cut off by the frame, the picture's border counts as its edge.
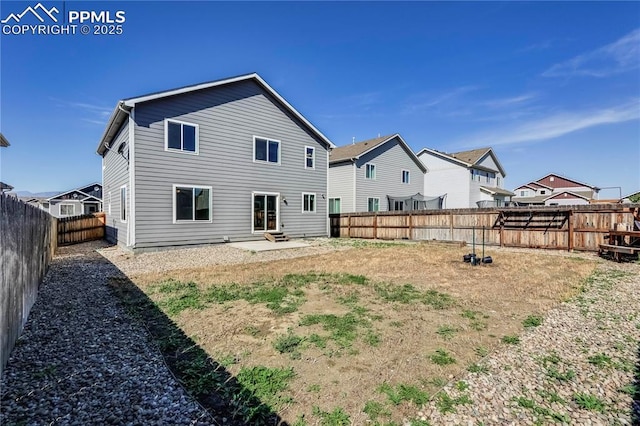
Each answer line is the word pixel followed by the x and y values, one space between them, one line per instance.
pixel 543 192
pixel 405 176
pixel 523 193
pixel 370 171
pixel 475 175
pixel 309 157
pixel 181 136
pixel 266 150
pixel 498 182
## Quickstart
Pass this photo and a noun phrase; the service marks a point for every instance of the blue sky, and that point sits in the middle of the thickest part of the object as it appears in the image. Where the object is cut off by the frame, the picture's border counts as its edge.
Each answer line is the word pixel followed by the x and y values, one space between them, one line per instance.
pixel 551 86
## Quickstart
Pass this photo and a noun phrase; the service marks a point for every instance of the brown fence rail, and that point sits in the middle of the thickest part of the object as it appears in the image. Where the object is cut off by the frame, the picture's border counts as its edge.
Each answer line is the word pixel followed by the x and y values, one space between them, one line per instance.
pixel 78 229
pixel 554 227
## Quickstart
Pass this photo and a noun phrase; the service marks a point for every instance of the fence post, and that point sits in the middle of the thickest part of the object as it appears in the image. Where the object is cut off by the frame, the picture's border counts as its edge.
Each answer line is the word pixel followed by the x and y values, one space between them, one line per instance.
pixel 349 225
pixel 375 225
pixel 410 225
pixel 570 231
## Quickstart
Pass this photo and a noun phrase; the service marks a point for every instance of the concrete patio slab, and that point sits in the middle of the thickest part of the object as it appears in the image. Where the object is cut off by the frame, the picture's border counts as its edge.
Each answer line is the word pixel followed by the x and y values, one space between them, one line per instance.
pixel 268 245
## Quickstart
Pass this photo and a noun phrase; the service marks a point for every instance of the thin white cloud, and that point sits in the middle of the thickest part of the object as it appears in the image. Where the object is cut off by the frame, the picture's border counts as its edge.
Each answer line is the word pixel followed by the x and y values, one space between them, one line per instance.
pixel 509 102
pixel 421 102
pixel 620 56
pixel 555 125
pixel 92 113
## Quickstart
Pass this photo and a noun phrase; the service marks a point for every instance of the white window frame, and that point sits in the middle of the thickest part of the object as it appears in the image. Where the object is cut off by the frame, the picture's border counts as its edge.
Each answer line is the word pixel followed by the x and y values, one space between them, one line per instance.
pixel 315 202
pixel 377 202
pixel 408 176
pixel 374 168
pixel 313 157
pixel 268 140
pixel 192 186
pixel 329 206
pixel 123 204
pixel 182 123
pixel 73 206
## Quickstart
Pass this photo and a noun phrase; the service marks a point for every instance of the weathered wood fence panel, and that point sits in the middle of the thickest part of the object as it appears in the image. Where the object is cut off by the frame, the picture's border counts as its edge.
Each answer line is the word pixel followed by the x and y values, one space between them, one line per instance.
pixel 27 244
pixel 562 228
pixel 78 229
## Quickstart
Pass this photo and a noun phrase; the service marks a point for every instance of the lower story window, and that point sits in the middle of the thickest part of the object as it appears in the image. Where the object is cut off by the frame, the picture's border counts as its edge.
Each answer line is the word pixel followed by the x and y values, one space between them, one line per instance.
pixel 308 203
pixel 67 209
pixel 192 203
pixel 373 204
pixel 334 205
pixel 398 205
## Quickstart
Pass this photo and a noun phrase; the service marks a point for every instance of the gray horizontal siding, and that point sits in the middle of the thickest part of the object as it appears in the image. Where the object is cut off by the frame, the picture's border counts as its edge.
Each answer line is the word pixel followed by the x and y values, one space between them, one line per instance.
pixel 390 159
pixel 115 174
pixel 341 185
pixel 228 117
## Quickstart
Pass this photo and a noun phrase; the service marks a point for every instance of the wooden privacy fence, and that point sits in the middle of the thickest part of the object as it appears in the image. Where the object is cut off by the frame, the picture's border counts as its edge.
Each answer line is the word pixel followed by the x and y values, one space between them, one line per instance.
pixel 27 244
pixel 554 227
pixel 78 229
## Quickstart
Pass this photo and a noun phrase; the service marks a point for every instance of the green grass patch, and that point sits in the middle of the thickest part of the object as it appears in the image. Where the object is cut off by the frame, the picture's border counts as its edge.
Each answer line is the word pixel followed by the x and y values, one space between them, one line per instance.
pixel 532 321
pixel 337 417
pixel 402 393
pixel 447 404
pixel 600 360
pixel 375 409
pixel 530 404
pixel 559 375
pixel 476 368
pixel 588 402
pixel 267 384
pixel 287 343
pixel 511 340
pixel 343 329
pixel 447 332
pixel 481 351
pixel 442 357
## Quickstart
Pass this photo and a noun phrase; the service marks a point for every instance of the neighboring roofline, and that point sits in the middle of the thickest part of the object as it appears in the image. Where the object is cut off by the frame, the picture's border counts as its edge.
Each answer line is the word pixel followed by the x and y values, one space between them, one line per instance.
pixel 540 184
pixel 492 192
pixel 630 194
pixel 91 196
pixel 403 143
pixel 130 103
pixel 443 155
pixel 66 192
pixel 3 141
pixel 525 186
pixel 595 188
pixel 464 163
pixel 566 192
pixel 89 184
pixel 495 158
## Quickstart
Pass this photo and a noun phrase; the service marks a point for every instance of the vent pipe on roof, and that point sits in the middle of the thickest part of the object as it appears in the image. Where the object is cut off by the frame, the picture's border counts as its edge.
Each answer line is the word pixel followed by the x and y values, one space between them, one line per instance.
pixel 353 140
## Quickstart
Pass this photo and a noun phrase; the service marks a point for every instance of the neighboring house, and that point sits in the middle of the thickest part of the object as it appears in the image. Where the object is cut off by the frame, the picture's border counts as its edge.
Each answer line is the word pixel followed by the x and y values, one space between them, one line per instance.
pixel 554 189
pixel 378 174
pixel 5 187
pixel 83 200
pixel 634 197
pixel 3 141
pixel 469 178
pixel 226 160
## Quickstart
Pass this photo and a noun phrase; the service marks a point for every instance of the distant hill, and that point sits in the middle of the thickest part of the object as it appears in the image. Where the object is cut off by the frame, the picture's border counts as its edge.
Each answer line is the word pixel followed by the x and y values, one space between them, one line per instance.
pixel 36 194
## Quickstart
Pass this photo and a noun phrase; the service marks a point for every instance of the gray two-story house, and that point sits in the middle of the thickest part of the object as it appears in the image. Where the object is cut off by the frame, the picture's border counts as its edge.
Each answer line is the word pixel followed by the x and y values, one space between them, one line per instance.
pixel 378 174
pixel 226 160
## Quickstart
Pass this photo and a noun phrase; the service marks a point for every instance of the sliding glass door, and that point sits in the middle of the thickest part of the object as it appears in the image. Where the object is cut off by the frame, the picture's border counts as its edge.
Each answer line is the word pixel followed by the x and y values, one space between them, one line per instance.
pixel 265 212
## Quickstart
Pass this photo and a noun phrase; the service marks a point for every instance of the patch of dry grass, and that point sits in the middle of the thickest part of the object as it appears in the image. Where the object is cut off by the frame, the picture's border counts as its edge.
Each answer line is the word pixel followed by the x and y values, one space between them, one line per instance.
pixel 394 341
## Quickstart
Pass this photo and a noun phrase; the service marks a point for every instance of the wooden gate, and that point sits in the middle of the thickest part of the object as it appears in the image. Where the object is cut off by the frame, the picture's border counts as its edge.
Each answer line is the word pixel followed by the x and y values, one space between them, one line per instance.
pixel 78 229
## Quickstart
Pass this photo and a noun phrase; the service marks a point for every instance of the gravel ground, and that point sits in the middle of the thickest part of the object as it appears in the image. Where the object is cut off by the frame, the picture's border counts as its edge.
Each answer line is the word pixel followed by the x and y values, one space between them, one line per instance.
pixel 588 346
pixel 202 256
pixel 81 360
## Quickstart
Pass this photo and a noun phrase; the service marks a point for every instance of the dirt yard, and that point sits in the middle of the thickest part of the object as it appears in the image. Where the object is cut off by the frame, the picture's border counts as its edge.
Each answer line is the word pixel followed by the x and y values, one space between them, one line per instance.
pixel 368 333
